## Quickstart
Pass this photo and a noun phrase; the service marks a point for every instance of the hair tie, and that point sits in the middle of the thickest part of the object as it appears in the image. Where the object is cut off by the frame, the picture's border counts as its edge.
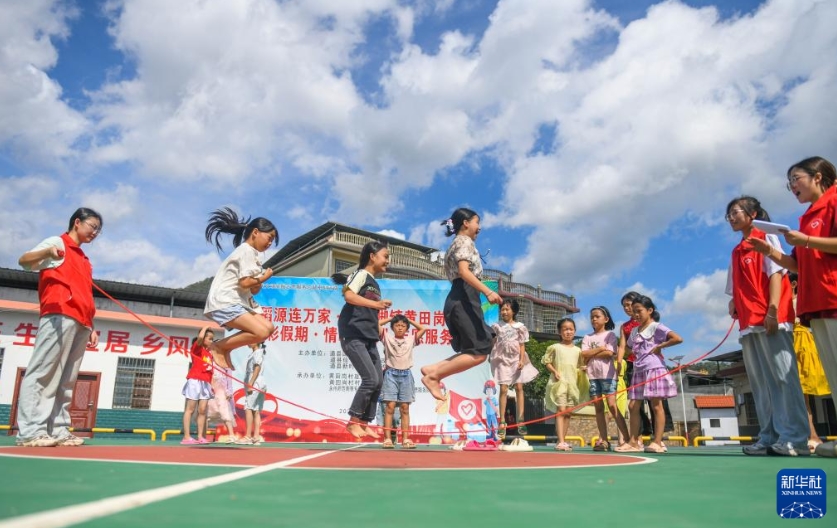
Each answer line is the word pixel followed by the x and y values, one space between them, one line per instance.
pixel 449 227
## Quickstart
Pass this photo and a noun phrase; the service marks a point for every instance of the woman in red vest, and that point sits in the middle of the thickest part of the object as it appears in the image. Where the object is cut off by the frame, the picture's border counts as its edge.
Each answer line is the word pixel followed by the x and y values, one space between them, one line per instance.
pixel 814 258
pixel 762 301
pixel 65 330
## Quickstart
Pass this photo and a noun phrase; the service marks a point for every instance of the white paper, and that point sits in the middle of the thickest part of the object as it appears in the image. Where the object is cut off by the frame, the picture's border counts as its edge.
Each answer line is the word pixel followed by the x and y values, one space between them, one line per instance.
pixel 770 227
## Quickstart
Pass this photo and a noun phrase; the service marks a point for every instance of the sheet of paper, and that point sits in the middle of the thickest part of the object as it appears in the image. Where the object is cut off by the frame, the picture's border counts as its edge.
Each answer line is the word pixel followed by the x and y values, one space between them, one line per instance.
pixel 770 227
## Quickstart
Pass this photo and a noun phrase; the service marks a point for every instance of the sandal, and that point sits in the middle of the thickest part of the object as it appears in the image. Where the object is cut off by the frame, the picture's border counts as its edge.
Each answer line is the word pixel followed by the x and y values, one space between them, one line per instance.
pixel 501 431
pixel 522 430
pixel 563 446
pixel 459 445
pixel 601 445
pixel 408 444
pixel 812 445
pixel 628 448
pixel 654 447
pixel 517 445
pixel 387 444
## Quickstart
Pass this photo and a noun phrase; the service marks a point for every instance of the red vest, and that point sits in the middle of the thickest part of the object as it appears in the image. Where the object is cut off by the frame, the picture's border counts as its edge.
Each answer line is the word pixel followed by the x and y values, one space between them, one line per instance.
pixel 68 289
pixel 816 290
pixel 751 286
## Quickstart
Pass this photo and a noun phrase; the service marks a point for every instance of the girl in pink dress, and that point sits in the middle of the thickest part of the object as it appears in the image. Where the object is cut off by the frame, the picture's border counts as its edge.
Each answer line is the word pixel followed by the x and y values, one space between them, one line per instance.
pixel 510 363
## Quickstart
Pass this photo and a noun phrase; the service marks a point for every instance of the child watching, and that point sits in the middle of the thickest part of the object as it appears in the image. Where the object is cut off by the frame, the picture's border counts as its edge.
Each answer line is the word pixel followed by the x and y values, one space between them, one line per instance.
pixel 254 401
pixel 399 385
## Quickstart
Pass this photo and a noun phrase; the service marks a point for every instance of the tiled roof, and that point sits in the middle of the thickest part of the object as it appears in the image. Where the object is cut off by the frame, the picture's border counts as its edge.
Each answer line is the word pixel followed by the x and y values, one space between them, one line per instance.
pixel 714 402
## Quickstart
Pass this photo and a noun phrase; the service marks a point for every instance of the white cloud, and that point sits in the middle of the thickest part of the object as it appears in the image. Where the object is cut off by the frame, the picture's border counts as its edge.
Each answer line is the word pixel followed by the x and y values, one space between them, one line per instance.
pixel 120 203
pixel 703 297
pixel 392 233
pixel 35 124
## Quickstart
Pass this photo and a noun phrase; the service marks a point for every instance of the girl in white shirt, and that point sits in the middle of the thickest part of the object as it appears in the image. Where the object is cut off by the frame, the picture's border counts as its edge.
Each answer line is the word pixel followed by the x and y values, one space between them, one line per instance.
pixel 230 301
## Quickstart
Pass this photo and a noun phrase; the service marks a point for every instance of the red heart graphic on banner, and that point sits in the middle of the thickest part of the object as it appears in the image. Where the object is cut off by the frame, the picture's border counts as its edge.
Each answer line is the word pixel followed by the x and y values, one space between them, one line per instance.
pixel 466 408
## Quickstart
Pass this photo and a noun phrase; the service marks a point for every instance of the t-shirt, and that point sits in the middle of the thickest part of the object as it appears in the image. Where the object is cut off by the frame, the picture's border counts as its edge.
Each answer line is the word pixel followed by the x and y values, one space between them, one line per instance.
pixel 600 368
pixel 398 353
pixel 225 291
pixel 201 363
pixel 256 357
pixel 359 322
pixel 462 248
pixel 642 343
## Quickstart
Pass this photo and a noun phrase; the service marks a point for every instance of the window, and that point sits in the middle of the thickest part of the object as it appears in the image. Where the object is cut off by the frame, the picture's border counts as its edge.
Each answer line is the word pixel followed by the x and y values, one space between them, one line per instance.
pixel 340 265
pixel 714 422
pixel 750 408
pixel 134 378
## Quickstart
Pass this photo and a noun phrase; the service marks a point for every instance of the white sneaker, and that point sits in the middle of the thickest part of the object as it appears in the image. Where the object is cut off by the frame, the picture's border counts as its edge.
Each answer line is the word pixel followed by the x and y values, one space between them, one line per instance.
pixel 70 440
pixel 244 440
pixel 43 440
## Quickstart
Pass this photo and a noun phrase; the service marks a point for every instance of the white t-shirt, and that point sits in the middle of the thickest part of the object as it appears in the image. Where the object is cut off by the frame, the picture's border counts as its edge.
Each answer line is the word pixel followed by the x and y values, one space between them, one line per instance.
pixel 256 357
pixel 48 262
pixel 224 291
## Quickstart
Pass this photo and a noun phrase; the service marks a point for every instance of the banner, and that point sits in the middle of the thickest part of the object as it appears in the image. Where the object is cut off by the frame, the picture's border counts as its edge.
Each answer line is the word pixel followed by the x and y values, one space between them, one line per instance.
pixel 304 363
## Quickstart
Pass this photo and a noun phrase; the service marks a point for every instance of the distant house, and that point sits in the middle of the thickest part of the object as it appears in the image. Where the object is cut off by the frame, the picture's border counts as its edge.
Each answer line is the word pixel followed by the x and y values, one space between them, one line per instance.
pixel 333 247
pixel 717 417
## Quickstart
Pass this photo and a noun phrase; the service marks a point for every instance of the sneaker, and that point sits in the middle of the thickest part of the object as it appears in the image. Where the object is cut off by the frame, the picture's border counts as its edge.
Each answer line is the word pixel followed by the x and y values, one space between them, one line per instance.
pixel 827 449
pixel 244 440
pixel 70 440
pixel 43 440
pixel 788 449
pixel 757 449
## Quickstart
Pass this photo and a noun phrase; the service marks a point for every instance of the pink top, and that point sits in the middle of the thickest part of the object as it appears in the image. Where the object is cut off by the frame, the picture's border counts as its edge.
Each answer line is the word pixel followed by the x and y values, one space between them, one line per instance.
pixel 600 368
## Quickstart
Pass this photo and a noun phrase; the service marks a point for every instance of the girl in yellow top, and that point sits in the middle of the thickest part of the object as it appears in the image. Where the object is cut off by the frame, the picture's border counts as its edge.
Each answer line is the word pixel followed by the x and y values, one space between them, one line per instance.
pixel 562 361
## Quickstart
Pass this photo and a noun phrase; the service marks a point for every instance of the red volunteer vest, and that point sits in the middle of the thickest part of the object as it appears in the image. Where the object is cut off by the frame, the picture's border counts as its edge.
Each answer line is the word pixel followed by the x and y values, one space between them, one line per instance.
pixel 68 289
pixel 816 290
pixel 751 286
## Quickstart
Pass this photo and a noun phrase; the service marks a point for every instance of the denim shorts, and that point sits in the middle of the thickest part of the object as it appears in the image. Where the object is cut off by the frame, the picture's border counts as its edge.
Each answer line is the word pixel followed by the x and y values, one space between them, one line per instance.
pixel 254 401
pixel 398 386
pixel 602 387
pixel 225 315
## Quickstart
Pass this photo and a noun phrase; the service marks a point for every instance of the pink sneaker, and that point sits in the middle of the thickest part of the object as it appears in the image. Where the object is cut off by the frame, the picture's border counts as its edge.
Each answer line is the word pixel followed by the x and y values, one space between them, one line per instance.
pixel 189 441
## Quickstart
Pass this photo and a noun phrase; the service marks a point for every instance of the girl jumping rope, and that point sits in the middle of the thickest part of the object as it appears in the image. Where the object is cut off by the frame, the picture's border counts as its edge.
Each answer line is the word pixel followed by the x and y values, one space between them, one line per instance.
pixel 357 327
pixel 471 338
pixel 762 301
pixel 598 350
pixel 814 257
pixel 230 300
pixel 562 361
pixel 510 364
pixel 651 379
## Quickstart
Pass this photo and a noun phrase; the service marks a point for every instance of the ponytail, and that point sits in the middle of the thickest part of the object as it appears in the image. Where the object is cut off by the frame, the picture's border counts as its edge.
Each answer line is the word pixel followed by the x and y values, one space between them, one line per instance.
pixel 227 221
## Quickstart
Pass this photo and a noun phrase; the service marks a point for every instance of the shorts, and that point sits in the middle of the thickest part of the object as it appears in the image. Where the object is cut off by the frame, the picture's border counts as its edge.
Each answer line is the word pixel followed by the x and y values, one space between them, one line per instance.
pixel 254 401
pixel 225 315
pixel 197 390
pixel 398 386
pixel 602 387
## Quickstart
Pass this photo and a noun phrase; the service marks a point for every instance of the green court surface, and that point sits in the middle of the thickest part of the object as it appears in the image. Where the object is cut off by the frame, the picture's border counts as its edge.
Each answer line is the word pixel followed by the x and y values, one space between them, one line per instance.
pixel 706 486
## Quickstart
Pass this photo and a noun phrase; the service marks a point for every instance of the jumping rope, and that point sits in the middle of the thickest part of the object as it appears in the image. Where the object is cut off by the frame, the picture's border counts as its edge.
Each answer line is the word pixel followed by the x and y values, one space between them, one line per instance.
pixel 223 371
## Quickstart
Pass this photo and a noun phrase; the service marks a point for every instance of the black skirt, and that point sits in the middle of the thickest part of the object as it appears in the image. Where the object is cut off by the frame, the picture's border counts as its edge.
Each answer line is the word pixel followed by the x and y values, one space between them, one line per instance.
pixel 466 323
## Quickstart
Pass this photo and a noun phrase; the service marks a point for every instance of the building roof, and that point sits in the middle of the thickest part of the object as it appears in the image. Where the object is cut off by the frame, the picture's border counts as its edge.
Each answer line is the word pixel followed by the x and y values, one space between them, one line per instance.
pixel 28 280
pixel 325 230
pixel 714 402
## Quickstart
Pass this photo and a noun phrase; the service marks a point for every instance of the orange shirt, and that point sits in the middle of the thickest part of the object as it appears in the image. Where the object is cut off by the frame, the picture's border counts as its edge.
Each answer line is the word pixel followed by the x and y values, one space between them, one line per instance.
pixel 751 286
pixel 816 290
pixel 68 289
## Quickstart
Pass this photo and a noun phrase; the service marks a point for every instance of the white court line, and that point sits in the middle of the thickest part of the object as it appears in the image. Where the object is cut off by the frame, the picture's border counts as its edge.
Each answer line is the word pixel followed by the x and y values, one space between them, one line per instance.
pixel 70 515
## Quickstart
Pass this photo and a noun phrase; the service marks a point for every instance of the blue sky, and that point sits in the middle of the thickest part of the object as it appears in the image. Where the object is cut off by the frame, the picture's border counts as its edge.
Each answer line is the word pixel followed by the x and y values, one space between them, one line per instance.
pixel 600 141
